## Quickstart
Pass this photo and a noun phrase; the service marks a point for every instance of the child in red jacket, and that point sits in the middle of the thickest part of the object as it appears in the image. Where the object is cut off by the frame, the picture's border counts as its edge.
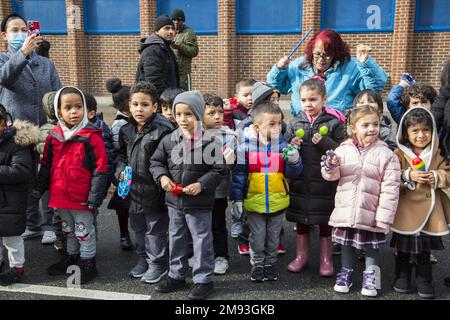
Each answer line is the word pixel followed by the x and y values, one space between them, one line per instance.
pixel 74 170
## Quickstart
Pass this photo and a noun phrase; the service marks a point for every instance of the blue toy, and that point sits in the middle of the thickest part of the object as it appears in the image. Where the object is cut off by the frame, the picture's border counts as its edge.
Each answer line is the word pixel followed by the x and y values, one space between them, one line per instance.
pixel 124 186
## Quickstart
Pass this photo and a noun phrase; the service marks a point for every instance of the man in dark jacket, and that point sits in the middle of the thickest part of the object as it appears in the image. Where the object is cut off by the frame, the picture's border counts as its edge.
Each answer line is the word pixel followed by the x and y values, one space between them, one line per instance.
pixel 158 64
pixel 185 47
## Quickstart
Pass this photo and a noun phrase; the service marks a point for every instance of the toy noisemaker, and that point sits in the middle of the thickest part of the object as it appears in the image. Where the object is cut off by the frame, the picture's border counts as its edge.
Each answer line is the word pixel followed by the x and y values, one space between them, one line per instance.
pixel 323 130
pixel 330 159
pixel 177 189
pixel 418 164
pixel 125 184
pixel 300 133
pixel 288 149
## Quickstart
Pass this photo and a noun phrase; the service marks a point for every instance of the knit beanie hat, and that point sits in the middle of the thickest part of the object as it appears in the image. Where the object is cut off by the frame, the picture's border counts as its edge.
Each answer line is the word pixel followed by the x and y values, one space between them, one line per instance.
pixel 162 21
pixel 260 92
pixel 178 14
pixel 193 99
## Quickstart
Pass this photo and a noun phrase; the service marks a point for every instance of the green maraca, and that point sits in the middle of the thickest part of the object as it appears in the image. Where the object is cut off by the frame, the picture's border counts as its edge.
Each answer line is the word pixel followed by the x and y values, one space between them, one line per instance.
pixel 300 133
pixel 323 130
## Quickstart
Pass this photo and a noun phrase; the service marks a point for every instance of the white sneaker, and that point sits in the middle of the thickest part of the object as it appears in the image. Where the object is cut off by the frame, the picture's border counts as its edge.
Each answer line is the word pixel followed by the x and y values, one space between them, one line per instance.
pixel 221 265
pixel 49 237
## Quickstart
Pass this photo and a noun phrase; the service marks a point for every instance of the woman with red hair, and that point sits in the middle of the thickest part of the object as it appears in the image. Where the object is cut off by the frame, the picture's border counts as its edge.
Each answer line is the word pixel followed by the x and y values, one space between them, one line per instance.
pixel 329 56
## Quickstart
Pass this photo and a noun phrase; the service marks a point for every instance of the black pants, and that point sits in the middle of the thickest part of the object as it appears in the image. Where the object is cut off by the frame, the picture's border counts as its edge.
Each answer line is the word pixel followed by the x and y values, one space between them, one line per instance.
pixel 219 228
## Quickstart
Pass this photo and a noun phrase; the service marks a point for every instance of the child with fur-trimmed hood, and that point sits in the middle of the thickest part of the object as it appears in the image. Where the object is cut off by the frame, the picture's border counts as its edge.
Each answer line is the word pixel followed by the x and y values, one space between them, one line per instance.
pixel 16 144
pixel 423 213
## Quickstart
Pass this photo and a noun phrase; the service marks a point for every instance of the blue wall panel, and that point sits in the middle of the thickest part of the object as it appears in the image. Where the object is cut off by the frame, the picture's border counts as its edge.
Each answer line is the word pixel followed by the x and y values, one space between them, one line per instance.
pixel 432 15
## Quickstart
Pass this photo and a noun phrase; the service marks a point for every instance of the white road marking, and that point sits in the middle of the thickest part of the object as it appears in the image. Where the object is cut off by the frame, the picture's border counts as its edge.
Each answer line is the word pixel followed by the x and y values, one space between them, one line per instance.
pixel 73 292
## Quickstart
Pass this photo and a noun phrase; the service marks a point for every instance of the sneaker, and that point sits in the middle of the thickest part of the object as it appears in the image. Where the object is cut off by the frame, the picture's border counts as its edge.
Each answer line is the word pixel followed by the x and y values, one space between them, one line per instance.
pixel 336 248
pixel 369 287
pixel 139 269
pixel 221 265
pixel 169 285
pixel 13 275
pixel 244 249
pixel 433 259
pixel 154 274
pixel 281 249
pixel 60 268
pixel 28 234
pixel 191 262
pixel 270 273
pixel 343 281
pixel 49 237
pixel 257 274
pixel 201 291
pixel 125 243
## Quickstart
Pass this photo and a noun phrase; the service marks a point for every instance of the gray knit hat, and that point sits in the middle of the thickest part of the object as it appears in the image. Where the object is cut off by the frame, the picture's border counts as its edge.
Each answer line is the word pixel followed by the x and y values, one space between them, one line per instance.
pixel 193 99
pixel 260 92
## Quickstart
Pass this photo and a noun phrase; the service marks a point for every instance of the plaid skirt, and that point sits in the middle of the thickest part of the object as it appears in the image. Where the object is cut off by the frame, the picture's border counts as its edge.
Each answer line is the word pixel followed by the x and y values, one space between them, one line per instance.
pixel 416 243
pixel 360 239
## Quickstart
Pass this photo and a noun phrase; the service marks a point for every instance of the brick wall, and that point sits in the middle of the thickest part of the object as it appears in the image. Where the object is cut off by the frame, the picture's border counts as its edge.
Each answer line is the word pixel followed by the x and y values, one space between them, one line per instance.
pixel 89 60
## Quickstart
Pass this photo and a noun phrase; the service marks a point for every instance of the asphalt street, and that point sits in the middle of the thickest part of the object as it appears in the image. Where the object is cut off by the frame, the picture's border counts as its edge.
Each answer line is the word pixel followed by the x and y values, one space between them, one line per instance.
pixel 114 264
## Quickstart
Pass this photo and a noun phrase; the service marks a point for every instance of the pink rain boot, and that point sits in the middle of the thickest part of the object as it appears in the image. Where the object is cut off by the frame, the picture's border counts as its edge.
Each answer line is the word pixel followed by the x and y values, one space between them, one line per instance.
pixel 301 260
pixel 326 258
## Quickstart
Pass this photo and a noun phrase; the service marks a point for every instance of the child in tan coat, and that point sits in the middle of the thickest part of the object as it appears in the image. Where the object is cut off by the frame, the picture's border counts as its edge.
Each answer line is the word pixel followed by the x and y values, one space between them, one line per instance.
pixel 423 211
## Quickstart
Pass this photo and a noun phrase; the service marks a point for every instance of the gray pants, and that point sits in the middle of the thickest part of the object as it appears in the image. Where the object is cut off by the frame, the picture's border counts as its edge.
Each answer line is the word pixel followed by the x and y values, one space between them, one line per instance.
pixel 34 222
pixel 348 256
pixel 16 251
pixel 78 226
pixel 264 237
pixel 151 237
pixel 198 225
pixel 46 212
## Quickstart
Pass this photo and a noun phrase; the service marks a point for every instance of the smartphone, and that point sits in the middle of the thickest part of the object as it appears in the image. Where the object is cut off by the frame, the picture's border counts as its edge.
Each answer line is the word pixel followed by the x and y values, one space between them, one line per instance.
pixel 33 28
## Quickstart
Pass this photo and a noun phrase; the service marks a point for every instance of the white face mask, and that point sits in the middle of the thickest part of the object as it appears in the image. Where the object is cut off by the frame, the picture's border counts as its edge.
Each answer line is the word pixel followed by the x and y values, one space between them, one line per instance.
pixel 16 39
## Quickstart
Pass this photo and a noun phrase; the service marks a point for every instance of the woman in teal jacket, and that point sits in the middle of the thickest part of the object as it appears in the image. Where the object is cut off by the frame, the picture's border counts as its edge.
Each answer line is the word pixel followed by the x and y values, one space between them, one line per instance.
pixel 329 56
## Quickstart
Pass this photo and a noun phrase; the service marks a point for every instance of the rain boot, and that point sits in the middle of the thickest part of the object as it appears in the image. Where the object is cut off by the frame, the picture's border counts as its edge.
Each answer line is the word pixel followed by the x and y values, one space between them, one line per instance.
pixel 326 258
pixel 301 260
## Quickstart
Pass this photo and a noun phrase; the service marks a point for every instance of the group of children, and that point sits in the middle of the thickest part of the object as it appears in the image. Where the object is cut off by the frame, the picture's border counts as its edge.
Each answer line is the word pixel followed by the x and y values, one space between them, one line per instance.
pixel 190 153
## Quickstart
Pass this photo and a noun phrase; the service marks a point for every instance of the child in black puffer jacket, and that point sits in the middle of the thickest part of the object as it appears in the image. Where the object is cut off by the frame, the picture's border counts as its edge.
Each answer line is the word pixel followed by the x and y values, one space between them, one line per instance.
pixel 16 166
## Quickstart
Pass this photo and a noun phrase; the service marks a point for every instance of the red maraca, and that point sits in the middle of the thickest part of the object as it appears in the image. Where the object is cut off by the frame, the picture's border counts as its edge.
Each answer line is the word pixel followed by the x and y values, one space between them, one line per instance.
pixel 177 189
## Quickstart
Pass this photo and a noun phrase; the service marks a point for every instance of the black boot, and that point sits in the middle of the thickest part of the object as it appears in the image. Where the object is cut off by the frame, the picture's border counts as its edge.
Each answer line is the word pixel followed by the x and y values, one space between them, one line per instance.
pixel 60 268
pixel 88 270
pixel 403 269
pixel 447 281
pixel 423 276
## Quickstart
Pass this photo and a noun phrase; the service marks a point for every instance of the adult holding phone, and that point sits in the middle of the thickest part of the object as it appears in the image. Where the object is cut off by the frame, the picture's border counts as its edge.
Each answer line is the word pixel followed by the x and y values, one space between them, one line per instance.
pixel 329 56
pixel 24 76
pixel 24 79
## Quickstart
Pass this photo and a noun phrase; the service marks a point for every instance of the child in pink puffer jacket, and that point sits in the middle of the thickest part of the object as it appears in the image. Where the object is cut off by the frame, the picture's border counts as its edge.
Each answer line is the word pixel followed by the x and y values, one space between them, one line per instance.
pixel 366 197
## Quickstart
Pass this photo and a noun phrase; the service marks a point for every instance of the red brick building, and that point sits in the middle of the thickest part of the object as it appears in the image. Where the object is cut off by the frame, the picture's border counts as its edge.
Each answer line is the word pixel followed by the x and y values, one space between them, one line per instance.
pixel 412 37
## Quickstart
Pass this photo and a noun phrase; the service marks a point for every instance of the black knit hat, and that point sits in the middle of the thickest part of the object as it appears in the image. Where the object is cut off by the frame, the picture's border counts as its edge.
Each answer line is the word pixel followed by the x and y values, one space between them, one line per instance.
pixel 162 21
pixel 8 18
pixel 178 14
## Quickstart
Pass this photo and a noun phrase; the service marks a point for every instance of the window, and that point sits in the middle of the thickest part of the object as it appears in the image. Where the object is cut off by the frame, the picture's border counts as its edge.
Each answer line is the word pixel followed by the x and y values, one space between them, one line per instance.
pixel 51 14
pixel 432 15
pixel 111 17
pixel 268 16
pixel 358 15
pixel 201 15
